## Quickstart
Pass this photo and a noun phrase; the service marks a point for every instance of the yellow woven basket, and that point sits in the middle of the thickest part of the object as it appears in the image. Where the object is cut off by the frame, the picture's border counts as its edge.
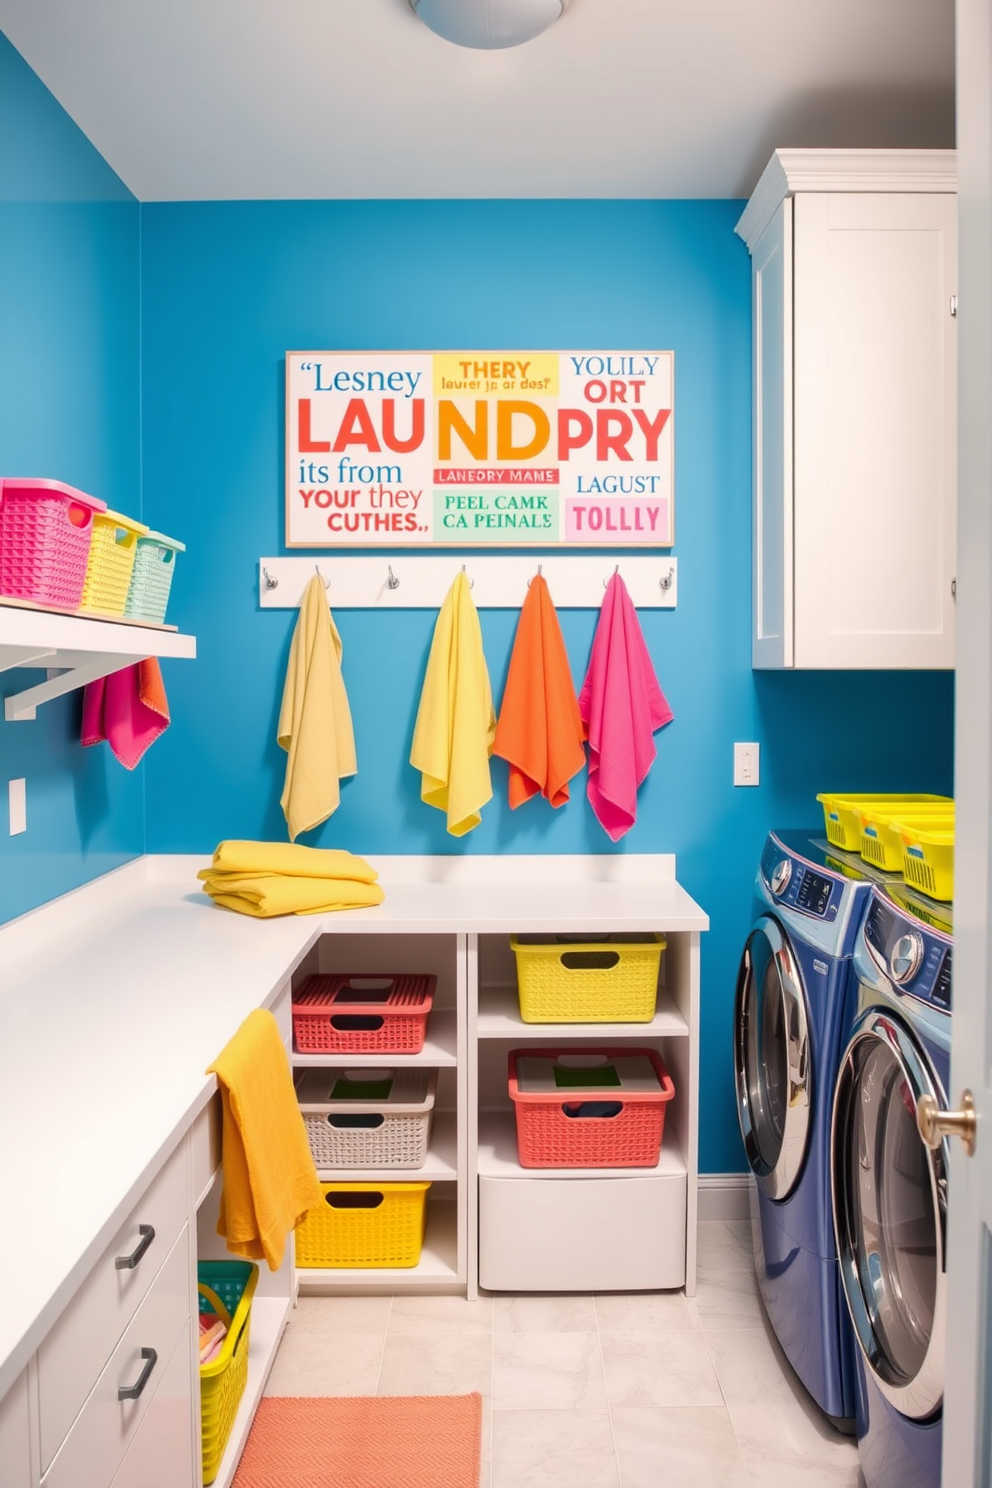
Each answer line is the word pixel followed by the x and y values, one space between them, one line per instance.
pixel 224 1285
pixel 365 1225
pixel 108 568
pixel 612 979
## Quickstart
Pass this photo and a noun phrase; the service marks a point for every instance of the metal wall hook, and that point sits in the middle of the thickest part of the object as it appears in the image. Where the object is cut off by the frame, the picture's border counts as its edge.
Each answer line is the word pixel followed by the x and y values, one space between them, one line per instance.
pixel 666 582
pixel 392 582
pixel 471 582
pixel 613 575
pixel 326 582
pixel 536 576
pixel 270 582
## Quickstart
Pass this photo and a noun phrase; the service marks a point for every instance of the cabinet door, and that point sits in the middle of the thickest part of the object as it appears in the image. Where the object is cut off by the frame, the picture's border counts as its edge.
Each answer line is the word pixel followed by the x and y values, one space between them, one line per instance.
pixel 15 1436
pixel 771 549
pixel 161 1454
pixel 875 415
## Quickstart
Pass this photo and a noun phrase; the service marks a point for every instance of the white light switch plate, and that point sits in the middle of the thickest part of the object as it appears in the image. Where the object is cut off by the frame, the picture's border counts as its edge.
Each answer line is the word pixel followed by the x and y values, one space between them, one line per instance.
pixel 747 764
pixel 17 806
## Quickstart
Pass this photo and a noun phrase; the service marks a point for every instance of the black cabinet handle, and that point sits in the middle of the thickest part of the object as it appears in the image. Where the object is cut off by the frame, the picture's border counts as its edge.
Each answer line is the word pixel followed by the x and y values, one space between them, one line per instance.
pixel 131 1392
pixel 128 1262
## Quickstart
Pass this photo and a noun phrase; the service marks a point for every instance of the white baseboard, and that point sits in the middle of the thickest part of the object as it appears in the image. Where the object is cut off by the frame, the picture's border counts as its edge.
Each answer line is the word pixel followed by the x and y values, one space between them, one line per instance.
pixel 724 1196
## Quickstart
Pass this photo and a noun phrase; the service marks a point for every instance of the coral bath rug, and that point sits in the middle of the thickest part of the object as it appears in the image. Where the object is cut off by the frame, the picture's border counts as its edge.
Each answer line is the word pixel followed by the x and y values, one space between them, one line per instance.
pixel 416 1441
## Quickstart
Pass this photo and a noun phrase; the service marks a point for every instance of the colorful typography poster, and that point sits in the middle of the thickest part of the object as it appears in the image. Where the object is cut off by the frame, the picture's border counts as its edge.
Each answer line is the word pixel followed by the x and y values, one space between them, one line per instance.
pixel 465 448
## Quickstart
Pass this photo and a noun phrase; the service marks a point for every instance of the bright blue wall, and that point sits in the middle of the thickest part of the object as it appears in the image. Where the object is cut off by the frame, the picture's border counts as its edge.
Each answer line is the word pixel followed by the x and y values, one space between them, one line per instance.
pixel 69 409
pixel 228 288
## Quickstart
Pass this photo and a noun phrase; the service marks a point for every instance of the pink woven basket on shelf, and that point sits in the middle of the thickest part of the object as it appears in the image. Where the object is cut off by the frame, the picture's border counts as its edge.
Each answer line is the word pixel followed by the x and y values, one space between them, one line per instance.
pixel 45 533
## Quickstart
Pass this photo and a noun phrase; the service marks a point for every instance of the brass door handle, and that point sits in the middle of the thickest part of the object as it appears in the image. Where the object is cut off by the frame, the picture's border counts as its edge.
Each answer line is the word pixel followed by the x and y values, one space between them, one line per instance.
pixel 934 1124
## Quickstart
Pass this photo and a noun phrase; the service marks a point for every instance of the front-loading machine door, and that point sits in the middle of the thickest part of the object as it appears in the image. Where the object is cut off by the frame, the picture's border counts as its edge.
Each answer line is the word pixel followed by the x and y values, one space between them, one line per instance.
pixel 772 1059
pixel 890 1206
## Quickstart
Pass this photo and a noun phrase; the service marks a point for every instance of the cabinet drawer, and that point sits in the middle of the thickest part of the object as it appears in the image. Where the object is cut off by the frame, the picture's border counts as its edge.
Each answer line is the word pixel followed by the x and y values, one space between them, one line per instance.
pixel 582 1234
pixel 81 1342
pixel 162 1452
pixel 15 1435
pixel 205 1146
pixel 105 1427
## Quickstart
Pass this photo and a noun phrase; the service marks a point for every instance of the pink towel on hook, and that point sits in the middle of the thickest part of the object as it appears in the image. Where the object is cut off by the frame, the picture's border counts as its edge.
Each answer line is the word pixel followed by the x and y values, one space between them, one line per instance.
pixel 622 705
pixel 129 709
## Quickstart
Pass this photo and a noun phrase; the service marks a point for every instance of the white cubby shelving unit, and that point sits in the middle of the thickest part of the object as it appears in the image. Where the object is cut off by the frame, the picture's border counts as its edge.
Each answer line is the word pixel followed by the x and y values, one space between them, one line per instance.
pixel 443 1264
pixel 454 917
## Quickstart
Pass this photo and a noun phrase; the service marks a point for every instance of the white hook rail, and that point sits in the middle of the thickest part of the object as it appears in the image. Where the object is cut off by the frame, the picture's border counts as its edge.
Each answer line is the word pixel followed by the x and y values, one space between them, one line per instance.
pixel 420 581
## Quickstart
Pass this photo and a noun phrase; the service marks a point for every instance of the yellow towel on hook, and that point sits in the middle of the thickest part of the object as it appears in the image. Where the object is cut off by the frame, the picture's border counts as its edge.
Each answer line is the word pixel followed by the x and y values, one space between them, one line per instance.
pixel 315 719
pixel 269 1178
pixel 455 728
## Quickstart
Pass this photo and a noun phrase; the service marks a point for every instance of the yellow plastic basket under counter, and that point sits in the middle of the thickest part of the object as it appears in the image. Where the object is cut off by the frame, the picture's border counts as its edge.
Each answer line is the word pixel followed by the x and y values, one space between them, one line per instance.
pixel 841 812
pixel 881 844
pixel 928 858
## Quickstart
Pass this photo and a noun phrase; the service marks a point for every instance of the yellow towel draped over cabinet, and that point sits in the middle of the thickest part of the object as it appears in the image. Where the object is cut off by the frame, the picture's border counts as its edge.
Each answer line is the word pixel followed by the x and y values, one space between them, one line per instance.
pixel 456 725
pixel 270 1181
pixel 315 720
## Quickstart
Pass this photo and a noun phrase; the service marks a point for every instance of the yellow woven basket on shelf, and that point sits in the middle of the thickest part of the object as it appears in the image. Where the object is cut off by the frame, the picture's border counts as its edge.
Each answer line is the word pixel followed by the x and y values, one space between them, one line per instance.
pixel 226 1288
pixel 606 979
pixel 881 844
pixel 364 1225
pixel 108 568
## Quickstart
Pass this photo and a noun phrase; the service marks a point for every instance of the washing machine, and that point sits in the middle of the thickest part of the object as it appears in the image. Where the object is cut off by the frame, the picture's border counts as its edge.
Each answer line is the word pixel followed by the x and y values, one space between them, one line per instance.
pixel 794 1008
pixel 890 1189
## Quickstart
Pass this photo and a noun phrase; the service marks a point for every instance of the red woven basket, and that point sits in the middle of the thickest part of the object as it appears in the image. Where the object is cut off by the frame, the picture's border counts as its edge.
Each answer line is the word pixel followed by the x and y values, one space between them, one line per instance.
pixel 590 1125
pixel 358 1014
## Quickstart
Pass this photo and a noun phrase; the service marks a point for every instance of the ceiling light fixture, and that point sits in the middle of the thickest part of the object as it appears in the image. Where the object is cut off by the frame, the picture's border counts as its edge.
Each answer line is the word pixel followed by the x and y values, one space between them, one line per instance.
pixel 488 24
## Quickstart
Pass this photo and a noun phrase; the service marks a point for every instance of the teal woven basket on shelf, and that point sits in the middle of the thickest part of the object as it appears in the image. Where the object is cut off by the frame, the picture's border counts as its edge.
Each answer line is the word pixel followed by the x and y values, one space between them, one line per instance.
pixel 151 577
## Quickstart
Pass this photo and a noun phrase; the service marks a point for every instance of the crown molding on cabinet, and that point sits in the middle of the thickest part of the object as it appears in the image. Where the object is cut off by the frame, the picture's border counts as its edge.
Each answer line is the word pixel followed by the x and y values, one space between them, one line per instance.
pixel 790 171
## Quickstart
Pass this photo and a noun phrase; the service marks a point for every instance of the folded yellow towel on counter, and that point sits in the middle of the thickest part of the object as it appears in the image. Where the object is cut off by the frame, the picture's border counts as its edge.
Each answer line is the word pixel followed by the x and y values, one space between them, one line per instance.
pixel 456 725
pixel 315 720
pixel 268 894
pixel 277 878
pixel 269 1178
pixel 237 856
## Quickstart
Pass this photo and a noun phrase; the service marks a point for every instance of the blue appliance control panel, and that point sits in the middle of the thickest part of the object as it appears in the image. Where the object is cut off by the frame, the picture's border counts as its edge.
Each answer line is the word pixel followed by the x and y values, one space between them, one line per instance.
pixel 797 885
pixel 918 961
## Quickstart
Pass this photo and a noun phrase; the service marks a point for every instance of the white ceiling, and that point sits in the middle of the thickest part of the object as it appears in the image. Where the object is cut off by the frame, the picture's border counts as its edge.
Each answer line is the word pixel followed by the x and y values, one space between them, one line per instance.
pixel 233 99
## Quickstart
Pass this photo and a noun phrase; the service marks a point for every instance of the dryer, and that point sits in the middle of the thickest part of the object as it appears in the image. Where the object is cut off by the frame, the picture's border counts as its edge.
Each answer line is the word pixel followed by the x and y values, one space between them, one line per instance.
pixel 890 1189
pixel 793 1011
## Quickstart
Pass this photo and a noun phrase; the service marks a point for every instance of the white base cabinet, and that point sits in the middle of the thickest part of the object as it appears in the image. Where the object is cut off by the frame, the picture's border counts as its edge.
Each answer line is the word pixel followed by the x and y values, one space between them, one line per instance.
pixel 854 276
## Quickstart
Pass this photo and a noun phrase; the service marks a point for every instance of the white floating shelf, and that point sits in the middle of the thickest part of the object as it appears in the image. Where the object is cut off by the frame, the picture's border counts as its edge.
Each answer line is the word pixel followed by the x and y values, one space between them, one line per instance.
pixel 577 581
pixel 79 648
pixel 499 1018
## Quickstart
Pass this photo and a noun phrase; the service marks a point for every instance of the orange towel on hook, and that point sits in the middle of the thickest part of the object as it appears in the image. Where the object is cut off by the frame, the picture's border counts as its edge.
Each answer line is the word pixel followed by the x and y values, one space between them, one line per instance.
pixel 129 709
pixel 539 730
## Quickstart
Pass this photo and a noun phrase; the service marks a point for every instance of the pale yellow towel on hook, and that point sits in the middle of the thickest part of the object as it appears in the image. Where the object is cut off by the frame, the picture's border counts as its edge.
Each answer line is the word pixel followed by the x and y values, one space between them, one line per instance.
pixel 315 719
pixel 456 725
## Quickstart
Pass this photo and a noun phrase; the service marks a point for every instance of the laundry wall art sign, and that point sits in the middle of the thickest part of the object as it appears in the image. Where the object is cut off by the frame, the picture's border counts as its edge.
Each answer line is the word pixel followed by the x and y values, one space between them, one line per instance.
pixel 480 448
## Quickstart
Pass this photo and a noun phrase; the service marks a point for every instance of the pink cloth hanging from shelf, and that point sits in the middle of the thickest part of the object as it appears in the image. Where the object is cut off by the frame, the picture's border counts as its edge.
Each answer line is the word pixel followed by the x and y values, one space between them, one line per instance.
pixel 622 706
pixel 129 709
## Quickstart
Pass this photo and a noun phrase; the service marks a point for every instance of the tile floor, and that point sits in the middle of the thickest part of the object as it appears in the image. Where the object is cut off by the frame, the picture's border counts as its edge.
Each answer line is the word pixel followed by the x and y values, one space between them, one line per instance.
pixel 645 1391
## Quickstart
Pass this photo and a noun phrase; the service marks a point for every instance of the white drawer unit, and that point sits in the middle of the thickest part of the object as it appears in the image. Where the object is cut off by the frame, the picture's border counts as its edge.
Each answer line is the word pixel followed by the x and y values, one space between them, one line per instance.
pixel 107 1424
pixel 581 1234
pixel 15 1436
pixel 160 1456
pixel 81 1342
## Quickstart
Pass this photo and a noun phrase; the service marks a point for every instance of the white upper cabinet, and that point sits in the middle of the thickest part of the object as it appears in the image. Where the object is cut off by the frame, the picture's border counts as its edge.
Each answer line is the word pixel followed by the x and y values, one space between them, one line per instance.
pixel 854 274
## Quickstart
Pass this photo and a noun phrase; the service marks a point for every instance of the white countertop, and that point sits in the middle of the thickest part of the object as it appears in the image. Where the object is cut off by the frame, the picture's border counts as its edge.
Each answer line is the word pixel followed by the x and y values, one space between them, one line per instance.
pixel 116 997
